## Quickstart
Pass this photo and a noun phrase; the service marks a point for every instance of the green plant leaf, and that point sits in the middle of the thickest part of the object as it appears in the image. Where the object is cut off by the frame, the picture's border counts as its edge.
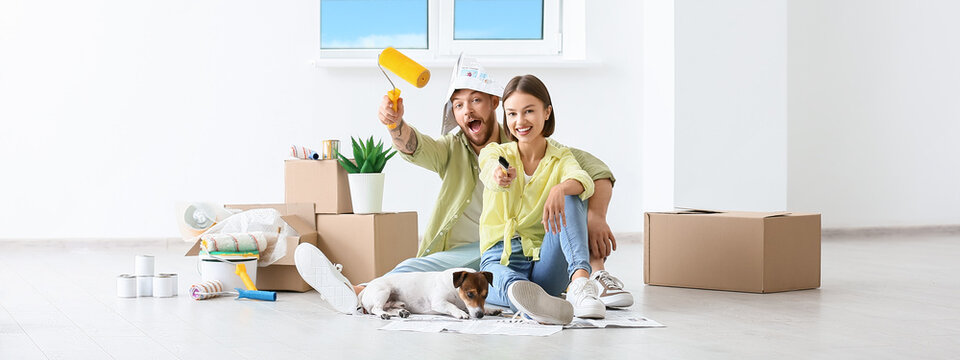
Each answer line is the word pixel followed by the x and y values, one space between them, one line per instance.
pixel 358 154
pixel 367 167
pixel 347 165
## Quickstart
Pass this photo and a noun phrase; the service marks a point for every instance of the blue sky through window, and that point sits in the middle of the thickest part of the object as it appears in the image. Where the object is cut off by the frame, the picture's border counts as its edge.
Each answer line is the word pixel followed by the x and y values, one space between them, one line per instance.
pixel 373 24
pixel 498 20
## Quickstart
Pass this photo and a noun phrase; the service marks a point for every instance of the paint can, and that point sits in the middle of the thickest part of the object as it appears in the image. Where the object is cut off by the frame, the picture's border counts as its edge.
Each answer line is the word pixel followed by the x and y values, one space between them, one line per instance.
pixel 126 286
pixel 144 265
pixel 162 286
pixel 213 269
pixel 144 285
pixel 174 281
pixel 330 149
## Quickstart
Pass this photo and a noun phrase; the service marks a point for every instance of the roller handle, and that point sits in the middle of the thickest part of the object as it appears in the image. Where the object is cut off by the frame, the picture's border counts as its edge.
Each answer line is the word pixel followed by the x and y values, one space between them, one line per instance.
pixel 242 271
pixel 257 295
pixel 394 96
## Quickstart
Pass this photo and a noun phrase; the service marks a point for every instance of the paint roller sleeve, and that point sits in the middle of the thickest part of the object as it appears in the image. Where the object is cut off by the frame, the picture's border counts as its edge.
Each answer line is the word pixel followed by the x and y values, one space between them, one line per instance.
pixel 239 242
pixel 404 67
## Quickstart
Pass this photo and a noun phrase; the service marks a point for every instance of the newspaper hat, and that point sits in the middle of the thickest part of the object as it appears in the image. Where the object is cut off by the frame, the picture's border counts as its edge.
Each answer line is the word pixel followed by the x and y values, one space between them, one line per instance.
pixel 467 74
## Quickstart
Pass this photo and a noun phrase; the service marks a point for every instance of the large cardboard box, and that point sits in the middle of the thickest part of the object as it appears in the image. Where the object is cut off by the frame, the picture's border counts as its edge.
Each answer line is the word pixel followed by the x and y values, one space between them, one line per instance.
pixel 757 252
pixel 320 182
pixel 368 245
pixel 283 275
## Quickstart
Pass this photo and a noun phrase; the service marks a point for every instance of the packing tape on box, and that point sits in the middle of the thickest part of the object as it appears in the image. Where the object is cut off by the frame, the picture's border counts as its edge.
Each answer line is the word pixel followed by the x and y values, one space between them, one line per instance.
pixel 144 285
pixel 126 286
pixel 163 286
pixel 174 280
pixel 303 153
pixel 236 242
pixel 144 265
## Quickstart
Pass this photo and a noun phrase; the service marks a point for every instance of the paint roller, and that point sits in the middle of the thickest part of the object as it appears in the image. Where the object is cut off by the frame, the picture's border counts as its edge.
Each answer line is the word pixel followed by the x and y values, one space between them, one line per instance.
pixel 405 68
pixel 212 289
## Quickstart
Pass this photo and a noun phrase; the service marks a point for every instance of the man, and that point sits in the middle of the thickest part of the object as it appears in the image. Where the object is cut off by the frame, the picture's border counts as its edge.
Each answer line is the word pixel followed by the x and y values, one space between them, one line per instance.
pixel 451 238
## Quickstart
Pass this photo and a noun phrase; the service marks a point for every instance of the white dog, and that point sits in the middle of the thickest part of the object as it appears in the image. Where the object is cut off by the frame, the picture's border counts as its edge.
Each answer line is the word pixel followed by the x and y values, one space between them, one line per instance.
pixel 460 293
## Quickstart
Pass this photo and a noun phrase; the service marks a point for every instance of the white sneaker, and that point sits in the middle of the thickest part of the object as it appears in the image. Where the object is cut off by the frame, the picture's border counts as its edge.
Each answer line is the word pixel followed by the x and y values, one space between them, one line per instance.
pixel 582 294
pixel 611 290
pixel 531 300
pixel 326 278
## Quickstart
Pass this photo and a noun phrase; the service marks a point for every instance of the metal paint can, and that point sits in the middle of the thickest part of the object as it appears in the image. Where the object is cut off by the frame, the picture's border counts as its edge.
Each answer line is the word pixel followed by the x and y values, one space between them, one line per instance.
pixel 175 281
pixel 330 149
pixel 126 286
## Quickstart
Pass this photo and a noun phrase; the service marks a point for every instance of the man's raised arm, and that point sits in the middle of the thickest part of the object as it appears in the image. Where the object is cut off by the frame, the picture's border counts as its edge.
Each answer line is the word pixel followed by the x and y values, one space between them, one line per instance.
pixel 404 139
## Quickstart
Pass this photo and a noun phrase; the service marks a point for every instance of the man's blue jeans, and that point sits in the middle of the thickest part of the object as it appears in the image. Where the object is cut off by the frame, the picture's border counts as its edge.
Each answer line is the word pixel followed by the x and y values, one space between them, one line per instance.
pixel 560 256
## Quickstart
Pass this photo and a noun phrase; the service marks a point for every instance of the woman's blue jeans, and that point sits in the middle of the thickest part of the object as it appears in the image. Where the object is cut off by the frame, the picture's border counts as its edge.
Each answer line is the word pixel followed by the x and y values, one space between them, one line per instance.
pixel 560 256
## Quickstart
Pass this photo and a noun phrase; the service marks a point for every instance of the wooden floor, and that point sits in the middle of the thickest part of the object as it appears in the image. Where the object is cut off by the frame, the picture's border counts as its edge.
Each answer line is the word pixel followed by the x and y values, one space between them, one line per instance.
pixel 882 297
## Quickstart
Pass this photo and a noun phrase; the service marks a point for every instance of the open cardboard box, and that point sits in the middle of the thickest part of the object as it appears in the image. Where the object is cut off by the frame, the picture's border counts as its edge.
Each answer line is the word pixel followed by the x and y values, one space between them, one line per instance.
pixel 758 252
pixel 282 275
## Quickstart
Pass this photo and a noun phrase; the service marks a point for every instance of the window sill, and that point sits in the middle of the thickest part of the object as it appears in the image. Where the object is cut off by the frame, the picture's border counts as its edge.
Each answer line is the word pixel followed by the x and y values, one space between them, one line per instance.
pixel 490 62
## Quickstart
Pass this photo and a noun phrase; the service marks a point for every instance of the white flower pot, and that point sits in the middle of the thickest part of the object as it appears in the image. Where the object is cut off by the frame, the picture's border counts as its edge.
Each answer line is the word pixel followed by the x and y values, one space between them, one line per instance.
pixel 366 192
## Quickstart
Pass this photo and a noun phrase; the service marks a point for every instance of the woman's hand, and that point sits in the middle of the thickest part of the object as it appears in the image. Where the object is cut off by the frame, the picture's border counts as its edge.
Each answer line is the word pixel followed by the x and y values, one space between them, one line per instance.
pixel 553 210
pixel 505 178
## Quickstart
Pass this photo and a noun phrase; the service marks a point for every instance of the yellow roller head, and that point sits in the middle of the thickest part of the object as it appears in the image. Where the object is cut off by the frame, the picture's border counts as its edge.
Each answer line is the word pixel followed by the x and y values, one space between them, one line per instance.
pixel 404 67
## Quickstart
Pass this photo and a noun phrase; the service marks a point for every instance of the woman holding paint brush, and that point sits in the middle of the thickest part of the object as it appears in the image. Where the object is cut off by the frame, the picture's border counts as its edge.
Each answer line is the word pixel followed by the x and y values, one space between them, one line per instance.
pixel 526 242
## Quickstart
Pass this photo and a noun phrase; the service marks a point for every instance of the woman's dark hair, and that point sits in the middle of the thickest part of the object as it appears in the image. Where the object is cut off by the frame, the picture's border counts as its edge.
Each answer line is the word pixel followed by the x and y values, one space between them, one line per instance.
pixel 531 85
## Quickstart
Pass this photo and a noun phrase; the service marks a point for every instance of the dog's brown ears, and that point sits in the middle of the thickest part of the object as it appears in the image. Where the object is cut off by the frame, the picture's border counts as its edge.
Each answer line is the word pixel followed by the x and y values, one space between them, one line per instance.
pixel 459 277
pixel 488 275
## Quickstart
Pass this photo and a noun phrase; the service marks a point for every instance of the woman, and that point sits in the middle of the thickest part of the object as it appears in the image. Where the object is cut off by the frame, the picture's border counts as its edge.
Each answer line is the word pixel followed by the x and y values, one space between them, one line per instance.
pixel 533 253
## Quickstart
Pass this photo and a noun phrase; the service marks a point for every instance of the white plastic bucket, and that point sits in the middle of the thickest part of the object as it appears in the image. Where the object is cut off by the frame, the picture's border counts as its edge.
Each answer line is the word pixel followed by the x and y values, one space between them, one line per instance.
pixel 366 192
pixel 213 269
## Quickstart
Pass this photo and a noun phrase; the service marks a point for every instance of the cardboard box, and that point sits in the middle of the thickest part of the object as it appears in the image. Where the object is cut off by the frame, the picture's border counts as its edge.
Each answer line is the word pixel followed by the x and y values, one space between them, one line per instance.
pixel 282 275
pixel 368 245
pixel 738 251
pixel 321 182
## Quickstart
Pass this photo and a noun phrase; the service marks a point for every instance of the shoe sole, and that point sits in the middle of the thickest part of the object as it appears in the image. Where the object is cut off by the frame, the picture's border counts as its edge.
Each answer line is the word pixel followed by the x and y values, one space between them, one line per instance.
pixel 620 300
pixel 321 274
pixel 530 298
pixel 595 312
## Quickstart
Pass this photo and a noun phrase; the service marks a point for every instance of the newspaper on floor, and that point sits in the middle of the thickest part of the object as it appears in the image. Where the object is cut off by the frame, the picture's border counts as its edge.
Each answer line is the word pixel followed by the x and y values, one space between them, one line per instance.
pixel 494 325
pixel 614 318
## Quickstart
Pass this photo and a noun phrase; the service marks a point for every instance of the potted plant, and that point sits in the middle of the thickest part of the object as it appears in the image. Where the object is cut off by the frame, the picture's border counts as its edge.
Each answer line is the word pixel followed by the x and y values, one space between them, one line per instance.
pixel 365 174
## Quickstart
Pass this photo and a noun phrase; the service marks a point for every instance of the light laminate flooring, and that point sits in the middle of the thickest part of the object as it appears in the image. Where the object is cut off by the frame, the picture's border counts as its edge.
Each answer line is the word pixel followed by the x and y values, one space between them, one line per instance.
pixel 882 297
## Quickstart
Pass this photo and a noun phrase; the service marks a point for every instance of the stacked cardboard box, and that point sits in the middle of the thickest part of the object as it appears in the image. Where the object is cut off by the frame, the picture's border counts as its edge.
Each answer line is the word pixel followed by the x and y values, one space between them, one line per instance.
pixel 367 245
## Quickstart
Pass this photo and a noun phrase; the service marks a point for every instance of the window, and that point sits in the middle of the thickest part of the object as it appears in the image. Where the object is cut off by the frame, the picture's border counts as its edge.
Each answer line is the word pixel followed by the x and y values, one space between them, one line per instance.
pixel 440 28
pixel 373 24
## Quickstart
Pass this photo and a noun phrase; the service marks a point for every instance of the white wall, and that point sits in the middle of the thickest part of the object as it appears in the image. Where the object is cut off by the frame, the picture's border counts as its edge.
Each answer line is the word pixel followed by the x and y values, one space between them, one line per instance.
pixel 111 111
pixel 658 105
pixel 731 118
pixel 874 96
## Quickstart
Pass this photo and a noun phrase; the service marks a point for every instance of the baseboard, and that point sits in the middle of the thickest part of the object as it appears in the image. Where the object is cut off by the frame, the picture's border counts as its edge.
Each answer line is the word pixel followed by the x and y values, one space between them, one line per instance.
pixel 83 242
pixel 891 230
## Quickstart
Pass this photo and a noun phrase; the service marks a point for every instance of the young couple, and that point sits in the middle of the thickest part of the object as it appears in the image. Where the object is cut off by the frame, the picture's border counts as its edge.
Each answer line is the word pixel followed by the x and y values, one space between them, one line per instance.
pixel 537 233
